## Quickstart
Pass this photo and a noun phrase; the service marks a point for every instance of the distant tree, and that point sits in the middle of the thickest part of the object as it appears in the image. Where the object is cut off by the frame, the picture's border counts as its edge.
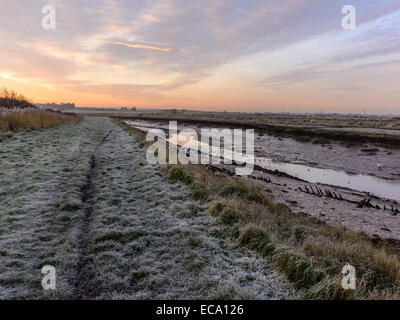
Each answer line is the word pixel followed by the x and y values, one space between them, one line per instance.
pixel 11 99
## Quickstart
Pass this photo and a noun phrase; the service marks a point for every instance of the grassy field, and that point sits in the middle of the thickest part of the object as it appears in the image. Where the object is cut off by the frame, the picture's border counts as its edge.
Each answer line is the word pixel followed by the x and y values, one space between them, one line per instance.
pixel 83 198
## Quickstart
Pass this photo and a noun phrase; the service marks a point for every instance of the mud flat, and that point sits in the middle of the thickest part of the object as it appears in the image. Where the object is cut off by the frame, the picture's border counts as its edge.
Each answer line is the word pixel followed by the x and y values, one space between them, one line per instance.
pixel 357 186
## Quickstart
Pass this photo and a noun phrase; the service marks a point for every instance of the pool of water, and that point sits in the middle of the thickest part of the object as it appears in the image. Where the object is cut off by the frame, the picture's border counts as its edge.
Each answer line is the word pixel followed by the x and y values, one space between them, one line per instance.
pixel 376 186
pixel 358 182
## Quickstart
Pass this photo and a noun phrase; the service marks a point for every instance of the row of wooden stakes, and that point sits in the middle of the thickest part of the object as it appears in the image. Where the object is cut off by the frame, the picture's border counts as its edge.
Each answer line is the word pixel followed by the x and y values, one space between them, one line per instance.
pixel 330 194
pixel 321 193
pixel 367 203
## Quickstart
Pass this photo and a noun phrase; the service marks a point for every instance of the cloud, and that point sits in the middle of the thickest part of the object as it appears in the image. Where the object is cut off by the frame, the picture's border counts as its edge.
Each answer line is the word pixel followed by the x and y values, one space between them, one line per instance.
pixel 350 89
pixel 162 46
pixel 140 46
pixel 379 64
pixel 292 77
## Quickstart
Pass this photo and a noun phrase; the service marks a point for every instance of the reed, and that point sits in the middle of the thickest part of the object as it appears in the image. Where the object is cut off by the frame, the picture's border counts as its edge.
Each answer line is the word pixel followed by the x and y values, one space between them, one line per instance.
pixel 18 113
pixel 32 119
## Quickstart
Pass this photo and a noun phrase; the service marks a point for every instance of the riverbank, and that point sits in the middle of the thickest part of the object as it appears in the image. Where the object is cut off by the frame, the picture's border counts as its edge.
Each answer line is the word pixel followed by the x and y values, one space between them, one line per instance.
pixel 310 252
pixel 338 184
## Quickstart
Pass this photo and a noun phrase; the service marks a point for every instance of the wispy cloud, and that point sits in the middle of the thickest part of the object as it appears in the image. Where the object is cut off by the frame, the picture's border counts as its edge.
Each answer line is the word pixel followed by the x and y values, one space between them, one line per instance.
pixel 140 46
pixel 350 89
pixel 293 77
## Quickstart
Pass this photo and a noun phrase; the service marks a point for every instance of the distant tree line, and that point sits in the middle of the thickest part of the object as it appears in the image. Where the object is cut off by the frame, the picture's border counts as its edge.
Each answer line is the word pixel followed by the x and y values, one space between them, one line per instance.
pixel 56 106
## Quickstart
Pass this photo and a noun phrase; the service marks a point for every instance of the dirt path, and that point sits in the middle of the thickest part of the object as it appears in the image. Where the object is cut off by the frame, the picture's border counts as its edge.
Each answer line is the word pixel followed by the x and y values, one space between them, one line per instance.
pixel 83 198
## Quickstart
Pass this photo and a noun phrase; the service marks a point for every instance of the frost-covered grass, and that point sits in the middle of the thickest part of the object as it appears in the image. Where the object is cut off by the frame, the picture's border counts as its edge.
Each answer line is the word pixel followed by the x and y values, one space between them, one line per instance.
pixel 310 252
pixel 146 237
pixel 149 239
pixel 41 175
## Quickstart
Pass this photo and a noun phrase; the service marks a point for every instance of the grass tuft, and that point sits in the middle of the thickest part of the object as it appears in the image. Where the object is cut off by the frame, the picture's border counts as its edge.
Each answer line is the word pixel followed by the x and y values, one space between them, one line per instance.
pixel 178 174
pixel 298 268
pixel 69 205
pixel 257 239
pixel 112 235
pixel 216 209
pixel 229 216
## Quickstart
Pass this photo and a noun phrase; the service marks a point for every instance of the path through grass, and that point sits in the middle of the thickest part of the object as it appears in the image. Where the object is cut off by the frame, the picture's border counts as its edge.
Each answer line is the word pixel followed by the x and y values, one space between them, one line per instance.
pixel 145 237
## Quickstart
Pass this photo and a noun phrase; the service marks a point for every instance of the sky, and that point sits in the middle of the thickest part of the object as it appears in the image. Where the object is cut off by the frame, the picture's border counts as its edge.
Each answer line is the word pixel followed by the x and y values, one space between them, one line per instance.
pixel 234 55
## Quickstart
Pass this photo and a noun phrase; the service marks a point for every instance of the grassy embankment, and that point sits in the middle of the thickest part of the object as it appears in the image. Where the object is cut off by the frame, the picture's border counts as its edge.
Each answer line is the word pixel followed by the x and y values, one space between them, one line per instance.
pixel 18 113
pixel 310 252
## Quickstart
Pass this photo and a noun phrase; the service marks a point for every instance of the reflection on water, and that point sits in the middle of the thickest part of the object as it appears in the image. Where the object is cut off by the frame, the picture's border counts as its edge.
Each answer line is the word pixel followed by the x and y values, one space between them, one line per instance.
pixel 213 152
pixel 365 183
pixel 358 182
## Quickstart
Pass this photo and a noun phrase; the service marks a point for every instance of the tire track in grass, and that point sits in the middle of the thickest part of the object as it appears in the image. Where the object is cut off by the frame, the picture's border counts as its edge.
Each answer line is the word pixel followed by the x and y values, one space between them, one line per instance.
pixel 82 288
pixel 149 239
pixel 40 203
